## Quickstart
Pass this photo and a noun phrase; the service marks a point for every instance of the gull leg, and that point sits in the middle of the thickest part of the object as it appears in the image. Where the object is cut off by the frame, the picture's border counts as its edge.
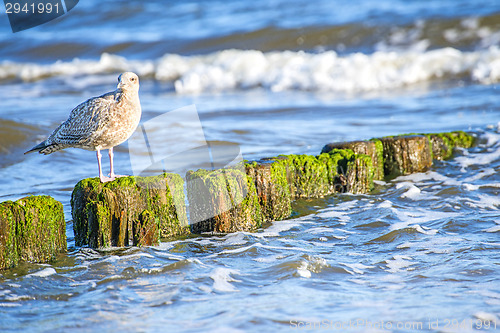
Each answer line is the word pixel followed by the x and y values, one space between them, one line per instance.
pixel 112 170
pixel 102 177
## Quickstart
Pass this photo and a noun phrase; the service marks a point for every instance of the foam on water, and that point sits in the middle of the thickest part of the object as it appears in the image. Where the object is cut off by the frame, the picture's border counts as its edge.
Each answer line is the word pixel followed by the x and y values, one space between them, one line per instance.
pixel 44 272
pixel 418 215
pixel 237 238
pixel 423 176
pixel 356 268
pixel 398 263
pixel 222 279
pixel 311 264
pixel 483 159
pixel 494 228
pixel 483 173
pixel 385 204
pixel 303 270
pixel 484 201
pixel 284 70
pixel 235 251
pixel 447 244
pixel 269 259
pixel 278 227
pixel 413 192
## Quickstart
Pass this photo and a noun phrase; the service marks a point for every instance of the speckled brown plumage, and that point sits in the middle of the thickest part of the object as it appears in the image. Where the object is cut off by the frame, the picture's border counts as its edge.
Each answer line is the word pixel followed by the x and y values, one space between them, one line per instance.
pixel 100 122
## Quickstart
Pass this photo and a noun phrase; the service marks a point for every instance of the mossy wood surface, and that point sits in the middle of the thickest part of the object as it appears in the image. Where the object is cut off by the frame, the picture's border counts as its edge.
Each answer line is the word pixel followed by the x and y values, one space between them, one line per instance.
pixel 373 149
pixel 222 201
pixel 31 229
pixel 272 189
pixel 404 155
pixel 128 211
pixel 443 144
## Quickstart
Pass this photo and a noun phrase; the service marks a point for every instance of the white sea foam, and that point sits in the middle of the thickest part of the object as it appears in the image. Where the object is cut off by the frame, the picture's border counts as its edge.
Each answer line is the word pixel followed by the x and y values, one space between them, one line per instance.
pixel 419 216
pixel 412 192
pixel 5 292
pixel 495 228
pixel 10 305
pixel 44 272
pixel 277 71
pixel 439 245
pixel 346 205
pixel 234 251
pixel 321 230
pixel 222 279
pixel 278 227
pixel 237 238
pixel 270 259
pixel 486 317
pixel 112 258
pixel 421 176
pixel 478 159
pixel 470 187
pixel 313 265
pixel 136 256
pixel 424 230
pixel 491 138
pixel 399 262
pixel 303 271
pixel 481 174
pixel 337 212
pixel 385 204
pixel 484 202
pixel 283 70
pixel 356 268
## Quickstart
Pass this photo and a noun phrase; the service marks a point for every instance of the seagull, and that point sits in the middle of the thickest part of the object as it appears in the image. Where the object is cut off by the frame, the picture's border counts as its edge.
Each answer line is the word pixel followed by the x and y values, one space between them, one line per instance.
pixel 99 123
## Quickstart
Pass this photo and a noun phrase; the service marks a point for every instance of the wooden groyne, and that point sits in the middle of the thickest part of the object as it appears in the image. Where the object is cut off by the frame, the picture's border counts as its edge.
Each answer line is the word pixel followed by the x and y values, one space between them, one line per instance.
pixel 143 210
pixel 31 229
pixel 128 211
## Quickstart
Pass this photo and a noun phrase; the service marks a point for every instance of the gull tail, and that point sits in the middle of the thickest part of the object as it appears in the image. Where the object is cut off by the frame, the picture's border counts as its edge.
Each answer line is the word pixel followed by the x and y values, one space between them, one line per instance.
pixel 44 148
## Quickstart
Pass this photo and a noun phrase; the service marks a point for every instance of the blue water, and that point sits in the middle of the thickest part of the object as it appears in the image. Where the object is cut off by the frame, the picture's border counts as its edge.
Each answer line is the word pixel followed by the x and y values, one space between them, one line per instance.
pixel 418 254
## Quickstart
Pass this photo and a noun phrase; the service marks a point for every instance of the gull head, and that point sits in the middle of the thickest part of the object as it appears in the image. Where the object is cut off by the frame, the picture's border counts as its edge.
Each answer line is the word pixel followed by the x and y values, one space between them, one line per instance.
pixel 128 81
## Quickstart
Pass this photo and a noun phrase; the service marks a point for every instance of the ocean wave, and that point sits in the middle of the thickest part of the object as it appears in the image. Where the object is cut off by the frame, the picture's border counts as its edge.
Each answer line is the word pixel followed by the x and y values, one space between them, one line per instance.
pixel 463 33
pixel 282 70
pixel 278 26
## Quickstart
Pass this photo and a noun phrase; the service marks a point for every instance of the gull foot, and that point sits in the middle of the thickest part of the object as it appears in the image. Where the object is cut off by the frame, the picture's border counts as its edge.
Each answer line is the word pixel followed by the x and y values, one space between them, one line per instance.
pixel 105 179
pixel 117 176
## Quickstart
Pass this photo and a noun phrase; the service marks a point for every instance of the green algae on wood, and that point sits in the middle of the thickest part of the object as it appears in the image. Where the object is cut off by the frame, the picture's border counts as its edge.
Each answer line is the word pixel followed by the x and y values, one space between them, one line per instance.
pixel 307 177
pixel 272 188
pixel 443 144
pixel 371 148
pixel 348 172
pixel 338 171
pixel 222 201
pixel 146 230
pixel 32 229
pixel 360 174
pixel 407 154
pixel 42 233
pixel 10 213
pixel 128 210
